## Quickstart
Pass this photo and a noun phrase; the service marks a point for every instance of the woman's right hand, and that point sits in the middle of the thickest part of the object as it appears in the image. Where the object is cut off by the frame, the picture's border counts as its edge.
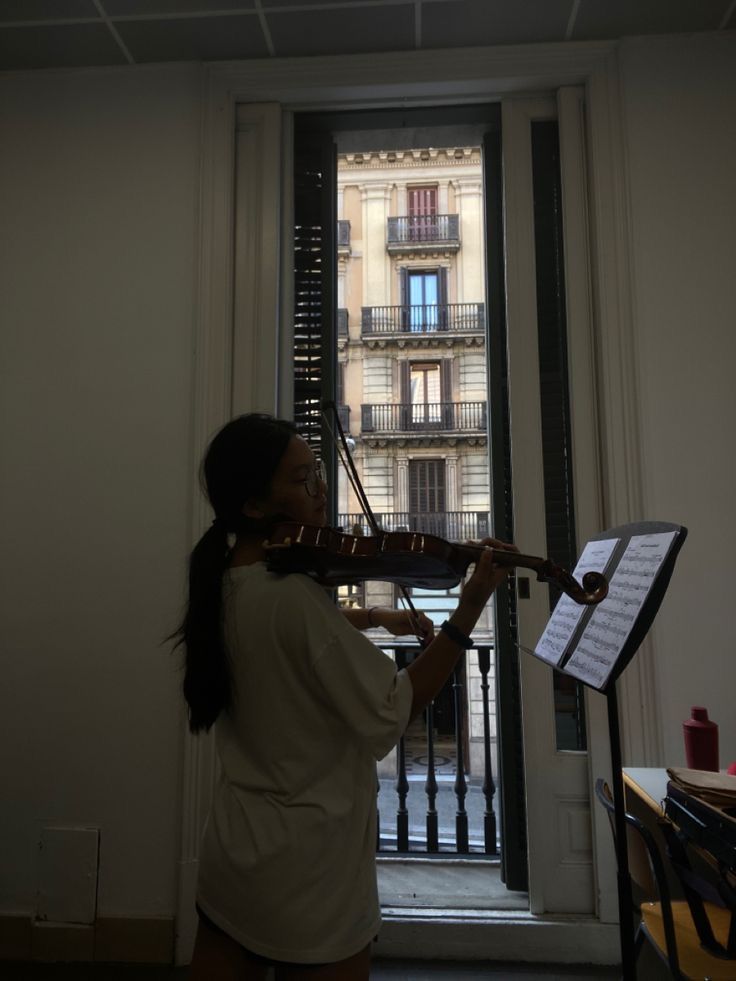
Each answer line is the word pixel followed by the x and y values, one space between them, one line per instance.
pixel 487 576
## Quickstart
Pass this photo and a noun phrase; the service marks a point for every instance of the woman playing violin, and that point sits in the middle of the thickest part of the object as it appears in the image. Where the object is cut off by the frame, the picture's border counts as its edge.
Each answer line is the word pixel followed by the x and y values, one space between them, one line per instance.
pixel 304 705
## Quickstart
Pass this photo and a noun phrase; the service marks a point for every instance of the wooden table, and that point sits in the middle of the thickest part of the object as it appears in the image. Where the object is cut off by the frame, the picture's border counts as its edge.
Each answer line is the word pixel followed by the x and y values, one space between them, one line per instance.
pixel 648 784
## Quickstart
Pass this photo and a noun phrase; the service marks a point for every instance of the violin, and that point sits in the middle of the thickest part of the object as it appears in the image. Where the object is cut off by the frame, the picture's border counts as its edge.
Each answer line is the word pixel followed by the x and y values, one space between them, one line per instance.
pixel 408 558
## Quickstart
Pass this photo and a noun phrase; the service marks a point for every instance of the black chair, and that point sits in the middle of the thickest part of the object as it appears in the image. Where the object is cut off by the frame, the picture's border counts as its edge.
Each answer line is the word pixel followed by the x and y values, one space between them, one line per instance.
pixel 693 936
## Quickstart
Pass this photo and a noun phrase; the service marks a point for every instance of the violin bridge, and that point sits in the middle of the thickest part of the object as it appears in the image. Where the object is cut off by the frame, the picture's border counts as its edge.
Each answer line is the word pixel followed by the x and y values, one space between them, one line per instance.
pixel 285 544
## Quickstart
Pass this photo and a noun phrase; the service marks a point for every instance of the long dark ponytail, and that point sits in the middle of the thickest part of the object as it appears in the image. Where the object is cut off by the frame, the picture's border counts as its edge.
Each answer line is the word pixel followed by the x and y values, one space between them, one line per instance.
pixel 238 465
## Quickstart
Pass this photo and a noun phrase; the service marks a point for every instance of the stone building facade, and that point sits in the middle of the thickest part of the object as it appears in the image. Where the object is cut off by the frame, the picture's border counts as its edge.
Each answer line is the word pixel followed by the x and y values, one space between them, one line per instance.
pixel 412 374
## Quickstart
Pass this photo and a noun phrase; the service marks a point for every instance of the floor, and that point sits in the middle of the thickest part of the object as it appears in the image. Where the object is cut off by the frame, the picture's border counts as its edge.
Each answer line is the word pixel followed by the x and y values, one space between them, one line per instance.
pixel 381 971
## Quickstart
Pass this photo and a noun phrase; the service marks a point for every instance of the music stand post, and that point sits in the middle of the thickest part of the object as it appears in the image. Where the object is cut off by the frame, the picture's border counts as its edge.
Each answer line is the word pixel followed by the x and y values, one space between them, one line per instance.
pixel 643 621
pixel 623 876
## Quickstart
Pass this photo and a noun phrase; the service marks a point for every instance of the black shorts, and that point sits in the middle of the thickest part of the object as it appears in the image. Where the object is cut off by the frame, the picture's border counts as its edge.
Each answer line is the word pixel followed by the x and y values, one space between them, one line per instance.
pixel 265 961
pixel 258 958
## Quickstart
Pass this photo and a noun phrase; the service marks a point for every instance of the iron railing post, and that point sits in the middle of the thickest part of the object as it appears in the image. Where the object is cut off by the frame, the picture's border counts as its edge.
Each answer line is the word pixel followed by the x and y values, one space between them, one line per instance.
pixel 461 787
pixel 489 787
pixel 430 787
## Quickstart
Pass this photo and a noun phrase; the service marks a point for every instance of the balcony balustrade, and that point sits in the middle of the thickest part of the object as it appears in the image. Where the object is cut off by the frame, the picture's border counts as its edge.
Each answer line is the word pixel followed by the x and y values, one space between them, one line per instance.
pixel 468 804
pixel 455 526
pixel 343 321
pixel 433 417
pixel 423 318
pixel 410 232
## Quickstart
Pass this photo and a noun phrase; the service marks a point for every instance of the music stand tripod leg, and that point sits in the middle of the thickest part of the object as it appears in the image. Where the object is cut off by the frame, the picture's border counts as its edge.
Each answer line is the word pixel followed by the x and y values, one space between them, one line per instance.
pixel 625 903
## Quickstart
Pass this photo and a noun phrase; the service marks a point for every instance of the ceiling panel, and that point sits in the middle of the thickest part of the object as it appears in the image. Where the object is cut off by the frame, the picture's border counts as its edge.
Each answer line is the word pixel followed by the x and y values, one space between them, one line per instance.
pixel 126 8
pixel 22 10
pixel 36 33
pixel 65 46
pixel 293 4
pixel 342 31
pixel 473 22
pixel 602 19
pixel 194 38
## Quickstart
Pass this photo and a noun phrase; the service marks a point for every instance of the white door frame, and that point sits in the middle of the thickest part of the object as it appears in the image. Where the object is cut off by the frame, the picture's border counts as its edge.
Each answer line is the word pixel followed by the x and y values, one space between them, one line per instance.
pixel 409 80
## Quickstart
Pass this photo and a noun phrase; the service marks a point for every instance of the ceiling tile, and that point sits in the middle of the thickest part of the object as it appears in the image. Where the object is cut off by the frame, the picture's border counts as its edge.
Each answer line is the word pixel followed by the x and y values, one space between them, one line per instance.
pixel 327 3
pixel 23 10
pixel 602 19
pixel 478 22
pixel 62 46
pixel 128 8
pixel 342 31
pixel 194 39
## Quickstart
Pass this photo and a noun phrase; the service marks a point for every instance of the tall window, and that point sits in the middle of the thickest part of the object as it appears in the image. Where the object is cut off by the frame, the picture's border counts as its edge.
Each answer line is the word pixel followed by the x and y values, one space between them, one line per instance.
pixel 423 288
pixel 427 487
pixel 425 393
pixel 422 203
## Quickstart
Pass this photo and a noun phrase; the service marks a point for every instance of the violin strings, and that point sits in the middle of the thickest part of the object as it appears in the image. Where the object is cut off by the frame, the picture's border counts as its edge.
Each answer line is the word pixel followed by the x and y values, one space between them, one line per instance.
pixel 349 464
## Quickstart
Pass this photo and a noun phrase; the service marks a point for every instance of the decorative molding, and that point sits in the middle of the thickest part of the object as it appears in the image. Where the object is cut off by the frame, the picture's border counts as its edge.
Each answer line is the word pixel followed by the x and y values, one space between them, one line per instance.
pixel 618 392
pixel 255 384
pixel 409 79
pixel 424 160
pixel 584 420
pixel 406 440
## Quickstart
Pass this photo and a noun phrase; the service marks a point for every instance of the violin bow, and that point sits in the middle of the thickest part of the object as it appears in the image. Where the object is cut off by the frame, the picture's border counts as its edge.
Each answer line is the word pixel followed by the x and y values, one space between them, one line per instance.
pixel 355 482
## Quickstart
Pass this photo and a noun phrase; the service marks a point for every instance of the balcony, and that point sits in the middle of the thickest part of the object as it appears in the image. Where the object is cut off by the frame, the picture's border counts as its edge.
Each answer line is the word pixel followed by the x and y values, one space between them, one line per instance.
pixel 343 322
pixel 456 526
pixel 438 418
pixel 421 319
pixel 423 233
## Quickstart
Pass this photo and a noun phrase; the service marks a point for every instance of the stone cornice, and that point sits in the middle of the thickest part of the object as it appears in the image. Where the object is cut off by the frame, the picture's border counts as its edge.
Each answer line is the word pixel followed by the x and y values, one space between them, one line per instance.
pixel 453 157
pixel 422 341
pixel 383 441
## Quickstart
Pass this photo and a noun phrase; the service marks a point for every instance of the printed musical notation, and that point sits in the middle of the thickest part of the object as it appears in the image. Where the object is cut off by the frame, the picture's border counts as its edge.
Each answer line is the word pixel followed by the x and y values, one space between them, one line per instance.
pixel 561 626
pixel 606 632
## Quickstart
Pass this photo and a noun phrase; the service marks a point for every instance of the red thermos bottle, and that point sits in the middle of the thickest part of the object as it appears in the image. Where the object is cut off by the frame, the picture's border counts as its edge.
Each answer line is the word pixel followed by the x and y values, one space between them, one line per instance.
pixel 701 740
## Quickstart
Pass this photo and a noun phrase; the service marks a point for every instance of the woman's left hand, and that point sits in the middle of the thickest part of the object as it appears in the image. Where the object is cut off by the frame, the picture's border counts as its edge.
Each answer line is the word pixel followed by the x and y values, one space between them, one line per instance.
pixel 402 623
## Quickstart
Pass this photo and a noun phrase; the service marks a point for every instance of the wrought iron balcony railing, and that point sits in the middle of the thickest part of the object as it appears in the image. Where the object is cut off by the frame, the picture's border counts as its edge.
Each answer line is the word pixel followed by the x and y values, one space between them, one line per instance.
pixel 455 526
pixel 343 321
pixel 421 230
pixel 423 318
pixel 472 826
pixel 434 417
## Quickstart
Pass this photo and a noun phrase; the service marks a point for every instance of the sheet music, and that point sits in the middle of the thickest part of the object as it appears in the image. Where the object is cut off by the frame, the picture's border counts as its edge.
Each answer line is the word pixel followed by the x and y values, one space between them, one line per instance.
pixel 608 629
pixel 566 616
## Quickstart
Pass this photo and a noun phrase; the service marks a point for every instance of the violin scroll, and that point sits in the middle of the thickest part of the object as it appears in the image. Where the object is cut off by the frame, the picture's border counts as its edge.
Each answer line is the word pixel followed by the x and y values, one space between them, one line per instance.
pixel 594 587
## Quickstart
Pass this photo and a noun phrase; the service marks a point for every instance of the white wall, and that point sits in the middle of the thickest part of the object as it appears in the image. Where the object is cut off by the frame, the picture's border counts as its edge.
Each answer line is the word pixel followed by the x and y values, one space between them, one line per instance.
pixel 98 198
pixel 680 121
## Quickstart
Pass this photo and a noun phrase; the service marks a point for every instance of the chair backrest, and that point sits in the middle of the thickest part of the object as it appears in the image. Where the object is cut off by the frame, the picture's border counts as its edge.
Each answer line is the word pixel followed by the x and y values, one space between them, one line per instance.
pixel 646 867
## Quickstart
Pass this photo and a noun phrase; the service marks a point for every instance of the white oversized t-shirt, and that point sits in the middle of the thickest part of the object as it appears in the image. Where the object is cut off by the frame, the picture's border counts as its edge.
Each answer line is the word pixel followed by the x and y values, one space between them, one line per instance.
pixel 287 864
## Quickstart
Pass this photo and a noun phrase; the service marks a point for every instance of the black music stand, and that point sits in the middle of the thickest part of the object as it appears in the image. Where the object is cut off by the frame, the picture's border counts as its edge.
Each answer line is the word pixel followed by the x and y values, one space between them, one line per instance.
pixel 606 684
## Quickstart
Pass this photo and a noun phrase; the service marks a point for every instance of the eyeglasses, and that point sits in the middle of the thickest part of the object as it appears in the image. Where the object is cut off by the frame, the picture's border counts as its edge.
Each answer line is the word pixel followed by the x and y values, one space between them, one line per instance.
pixel 315 478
